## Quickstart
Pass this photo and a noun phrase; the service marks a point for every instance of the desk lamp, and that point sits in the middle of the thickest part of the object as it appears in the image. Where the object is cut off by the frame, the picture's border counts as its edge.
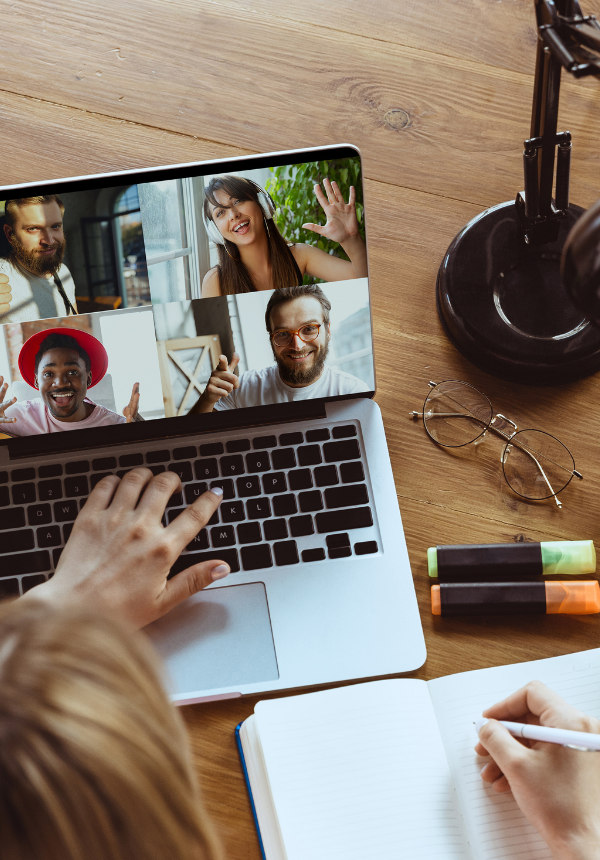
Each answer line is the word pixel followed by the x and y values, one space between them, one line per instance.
pixel 500 294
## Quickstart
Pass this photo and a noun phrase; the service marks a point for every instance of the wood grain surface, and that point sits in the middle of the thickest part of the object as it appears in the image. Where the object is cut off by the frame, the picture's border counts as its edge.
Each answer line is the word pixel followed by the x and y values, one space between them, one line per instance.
pixel 438 98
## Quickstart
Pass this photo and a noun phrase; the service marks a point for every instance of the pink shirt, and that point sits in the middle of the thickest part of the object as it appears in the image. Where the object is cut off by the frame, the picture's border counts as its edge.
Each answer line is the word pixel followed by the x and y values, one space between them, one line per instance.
pixel 33 417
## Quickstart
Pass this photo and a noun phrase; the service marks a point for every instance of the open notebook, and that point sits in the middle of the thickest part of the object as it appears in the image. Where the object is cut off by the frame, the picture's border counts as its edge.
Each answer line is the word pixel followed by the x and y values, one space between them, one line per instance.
pixel 387 769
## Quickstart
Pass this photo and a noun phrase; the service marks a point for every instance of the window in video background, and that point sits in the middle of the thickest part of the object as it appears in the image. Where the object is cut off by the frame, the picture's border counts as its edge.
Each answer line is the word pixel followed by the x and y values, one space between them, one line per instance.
pixel 180 251
pixel 192 335
pixel 128 336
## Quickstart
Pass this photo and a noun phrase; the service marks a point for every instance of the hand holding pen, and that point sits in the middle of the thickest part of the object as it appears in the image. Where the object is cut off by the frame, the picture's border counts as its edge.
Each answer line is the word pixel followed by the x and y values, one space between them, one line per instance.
pixel 556 788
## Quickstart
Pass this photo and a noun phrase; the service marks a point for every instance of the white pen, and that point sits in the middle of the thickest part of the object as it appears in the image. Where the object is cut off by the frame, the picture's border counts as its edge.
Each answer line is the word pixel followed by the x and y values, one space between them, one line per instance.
pixel 577 740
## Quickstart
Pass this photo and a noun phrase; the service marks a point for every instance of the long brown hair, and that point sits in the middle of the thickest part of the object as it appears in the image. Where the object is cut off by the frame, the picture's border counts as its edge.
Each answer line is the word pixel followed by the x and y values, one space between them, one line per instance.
pixel 234 277
pixel 94 761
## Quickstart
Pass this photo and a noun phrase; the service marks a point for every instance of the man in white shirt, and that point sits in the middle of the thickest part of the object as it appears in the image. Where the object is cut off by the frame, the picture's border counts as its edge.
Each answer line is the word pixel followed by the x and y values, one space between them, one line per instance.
pixel 297 319
pixel 34 282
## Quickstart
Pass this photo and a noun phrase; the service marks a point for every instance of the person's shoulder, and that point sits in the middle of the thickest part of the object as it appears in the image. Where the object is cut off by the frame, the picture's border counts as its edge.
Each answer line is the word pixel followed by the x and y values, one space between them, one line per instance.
pixel 63 272
pixel 211 283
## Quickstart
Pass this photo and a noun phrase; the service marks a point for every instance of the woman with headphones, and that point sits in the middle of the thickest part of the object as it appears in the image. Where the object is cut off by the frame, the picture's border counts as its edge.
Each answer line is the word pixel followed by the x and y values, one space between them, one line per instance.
pixel 253 255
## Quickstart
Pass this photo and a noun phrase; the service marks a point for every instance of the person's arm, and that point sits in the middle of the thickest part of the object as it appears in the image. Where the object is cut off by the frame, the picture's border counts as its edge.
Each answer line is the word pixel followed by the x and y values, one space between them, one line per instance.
pixel 119 554
pixel 221 383
pixel 557 789
pixel 211 285
pixel 341 227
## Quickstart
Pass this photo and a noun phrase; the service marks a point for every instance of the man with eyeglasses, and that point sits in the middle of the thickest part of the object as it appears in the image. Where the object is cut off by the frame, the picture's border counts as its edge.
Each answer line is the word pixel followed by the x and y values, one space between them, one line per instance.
pixel 297 321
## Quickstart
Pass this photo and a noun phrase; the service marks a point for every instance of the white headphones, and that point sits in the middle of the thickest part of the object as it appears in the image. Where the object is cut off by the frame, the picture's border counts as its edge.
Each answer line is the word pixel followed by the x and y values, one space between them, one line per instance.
pixel 265 202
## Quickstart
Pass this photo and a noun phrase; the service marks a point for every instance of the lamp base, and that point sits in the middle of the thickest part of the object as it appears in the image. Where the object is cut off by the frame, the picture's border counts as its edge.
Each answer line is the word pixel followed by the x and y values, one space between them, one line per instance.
pixel 503 305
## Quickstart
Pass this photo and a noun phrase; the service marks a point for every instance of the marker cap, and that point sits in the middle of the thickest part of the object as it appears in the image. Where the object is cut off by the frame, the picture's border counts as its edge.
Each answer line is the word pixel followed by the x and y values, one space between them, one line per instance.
pixel 568 557
pixel 572 598
pixel 432 564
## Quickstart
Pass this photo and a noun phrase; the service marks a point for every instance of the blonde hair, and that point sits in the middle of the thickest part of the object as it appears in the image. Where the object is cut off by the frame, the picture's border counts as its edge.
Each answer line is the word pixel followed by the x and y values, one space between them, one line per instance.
pixel 11 206
pixel 94 760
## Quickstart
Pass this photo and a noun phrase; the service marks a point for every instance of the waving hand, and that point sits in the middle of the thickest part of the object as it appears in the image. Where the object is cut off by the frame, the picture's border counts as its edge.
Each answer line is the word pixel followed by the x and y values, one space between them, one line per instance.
pixel 342 223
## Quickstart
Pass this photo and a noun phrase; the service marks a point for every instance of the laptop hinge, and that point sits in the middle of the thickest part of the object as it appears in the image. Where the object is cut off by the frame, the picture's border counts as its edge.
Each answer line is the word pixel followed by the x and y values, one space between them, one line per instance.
pixel 165 429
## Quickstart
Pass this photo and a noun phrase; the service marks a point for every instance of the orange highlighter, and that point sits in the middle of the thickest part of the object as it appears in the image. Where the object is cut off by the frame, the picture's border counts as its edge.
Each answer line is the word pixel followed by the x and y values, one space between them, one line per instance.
pixel 516 598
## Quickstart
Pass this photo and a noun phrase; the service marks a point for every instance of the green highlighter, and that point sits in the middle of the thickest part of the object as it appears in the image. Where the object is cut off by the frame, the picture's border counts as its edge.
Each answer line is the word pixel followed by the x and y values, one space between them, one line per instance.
pixel 511 561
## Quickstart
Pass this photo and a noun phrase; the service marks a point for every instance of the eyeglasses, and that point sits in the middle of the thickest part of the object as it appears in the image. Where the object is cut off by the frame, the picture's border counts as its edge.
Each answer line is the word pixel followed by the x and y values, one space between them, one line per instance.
pixel 283 336
pixel 536 465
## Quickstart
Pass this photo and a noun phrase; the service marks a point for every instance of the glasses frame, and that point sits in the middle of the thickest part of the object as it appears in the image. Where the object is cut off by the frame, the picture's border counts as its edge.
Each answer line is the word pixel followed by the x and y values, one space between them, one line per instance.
pixel 297 332
pixel 509 437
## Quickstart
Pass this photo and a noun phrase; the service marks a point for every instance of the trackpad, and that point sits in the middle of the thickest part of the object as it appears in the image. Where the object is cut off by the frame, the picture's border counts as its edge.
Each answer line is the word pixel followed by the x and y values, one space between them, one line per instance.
pixel 217 638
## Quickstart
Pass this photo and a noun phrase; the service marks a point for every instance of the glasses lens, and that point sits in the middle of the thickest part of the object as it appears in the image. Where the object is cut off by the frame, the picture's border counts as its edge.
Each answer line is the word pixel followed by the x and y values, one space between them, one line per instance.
pixel 309 332
pixel 455 414
pixel 281 338
pixel 536 465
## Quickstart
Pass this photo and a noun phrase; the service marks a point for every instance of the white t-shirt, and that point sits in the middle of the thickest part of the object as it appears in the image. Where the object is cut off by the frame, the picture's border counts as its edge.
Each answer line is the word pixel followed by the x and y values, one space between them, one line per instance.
pixel 33 417
pixel 260 387
pixel 35 297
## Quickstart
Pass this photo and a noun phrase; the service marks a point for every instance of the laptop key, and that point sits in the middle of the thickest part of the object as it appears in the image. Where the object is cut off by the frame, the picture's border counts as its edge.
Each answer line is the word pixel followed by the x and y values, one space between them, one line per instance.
pixel 49 536
pixel 9 588
pixel 131 460
pixel 344 520
pixel 326 476
pixel 76 486
pixel 275 529
pixel 309 455
pixel 48 490
pixel 65 511
pixel 229 556
pixel 52 470
pixel 175 501
pixel 17 541
pixel 300 526
pixel 285 505
pixel 77 467
pixel 205 469
pixel 311 501
pixel 255 557
pixel 344 431
pixel 352 473
pixel 187 453
pixel 264 442
pixel 283 458
pixel 258 461
pixel 27 562
pixel 248 486
pixel 67 529
pixel 337 540
pixel 291 439
pixel 104 463
pixel 274 483
pixel 232 512
pixel 194 491
pixel 4 497
pixel 339 552
pixel 236 445
pixel 226 485
pixel 211 449
pixel 348 496
pixel 232 465
pixel 249 532
pixel 22 494
pixel 286 552
pixel 317 554
pixel 184 470
pixel 31 581
pixel 156 470
pixel 365 547
pixel 300 479
pixel 345 450
pixel 14 518
pixel 199 542
pixel 96 477
pixel 321 434
pixel 162 456
pixel 27 474
pixel 37 515
pixel 222 536
pixel 258 509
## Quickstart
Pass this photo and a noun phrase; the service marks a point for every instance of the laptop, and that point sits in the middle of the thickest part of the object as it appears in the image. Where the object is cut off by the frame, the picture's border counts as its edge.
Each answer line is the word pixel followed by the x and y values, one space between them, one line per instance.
pixel 233 296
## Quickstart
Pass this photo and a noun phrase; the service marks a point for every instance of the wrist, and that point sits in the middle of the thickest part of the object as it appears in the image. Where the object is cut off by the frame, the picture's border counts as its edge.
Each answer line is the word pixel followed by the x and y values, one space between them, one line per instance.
pixel 582 846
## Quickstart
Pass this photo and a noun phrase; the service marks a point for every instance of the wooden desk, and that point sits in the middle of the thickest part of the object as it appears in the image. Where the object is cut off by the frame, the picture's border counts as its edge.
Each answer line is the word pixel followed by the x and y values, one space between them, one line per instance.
pixel 438 97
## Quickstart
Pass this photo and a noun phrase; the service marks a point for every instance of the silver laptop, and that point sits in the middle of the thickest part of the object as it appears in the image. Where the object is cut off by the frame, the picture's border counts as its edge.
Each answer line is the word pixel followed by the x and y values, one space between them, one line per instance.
pixel 233 296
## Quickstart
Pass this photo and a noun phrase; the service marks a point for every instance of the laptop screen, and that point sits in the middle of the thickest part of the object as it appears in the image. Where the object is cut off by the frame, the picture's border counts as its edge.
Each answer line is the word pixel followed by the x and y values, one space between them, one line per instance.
pixel 234 288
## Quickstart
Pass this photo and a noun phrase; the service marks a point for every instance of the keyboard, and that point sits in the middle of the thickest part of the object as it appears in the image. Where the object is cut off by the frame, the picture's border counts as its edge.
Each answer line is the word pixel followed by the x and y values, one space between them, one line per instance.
pixel 287 497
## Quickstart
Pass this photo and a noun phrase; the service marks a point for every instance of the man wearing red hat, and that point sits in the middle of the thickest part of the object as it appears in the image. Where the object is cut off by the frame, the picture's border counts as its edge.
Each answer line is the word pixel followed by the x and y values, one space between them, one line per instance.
pixel 63 363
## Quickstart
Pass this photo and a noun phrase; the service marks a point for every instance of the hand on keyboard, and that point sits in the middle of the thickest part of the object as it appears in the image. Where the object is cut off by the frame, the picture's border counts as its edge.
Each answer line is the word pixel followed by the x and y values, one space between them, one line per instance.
pixel 119 554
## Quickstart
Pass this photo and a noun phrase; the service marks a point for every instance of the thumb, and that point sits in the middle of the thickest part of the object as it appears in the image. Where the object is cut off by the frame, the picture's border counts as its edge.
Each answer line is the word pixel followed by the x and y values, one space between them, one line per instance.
pixel 191 581
pixel 234 361
pixel 316 228
pixel 506 751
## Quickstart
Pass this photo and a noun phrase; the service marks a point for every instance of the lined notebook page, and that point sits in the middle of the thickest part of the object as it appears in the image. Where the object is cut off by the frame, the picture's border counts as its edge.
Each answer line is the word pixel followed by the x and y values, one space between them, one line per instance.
pixel 360 772
pixel 495 826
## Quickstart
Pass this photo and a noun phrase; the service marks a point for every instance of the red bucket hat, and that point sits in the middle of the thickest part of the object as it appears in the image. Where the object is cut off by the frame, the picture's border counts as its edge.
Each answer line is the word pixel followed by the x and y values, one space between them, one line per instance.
pixel 93 347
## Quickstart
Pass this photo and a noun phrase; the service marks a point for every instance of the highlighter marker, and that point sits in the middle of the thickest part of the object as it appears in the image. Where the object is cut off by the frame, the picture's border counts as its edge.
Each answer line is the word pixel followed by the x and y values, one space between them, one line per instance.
pixel 510 561
pixel 581 597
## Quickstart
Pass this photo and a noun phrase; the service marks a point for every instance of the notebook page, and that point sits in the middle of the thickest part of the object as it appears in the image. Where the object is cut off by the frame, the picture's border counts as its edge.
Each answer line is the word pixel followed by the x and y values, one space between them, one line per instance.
pixel 361 772
pixel 496 828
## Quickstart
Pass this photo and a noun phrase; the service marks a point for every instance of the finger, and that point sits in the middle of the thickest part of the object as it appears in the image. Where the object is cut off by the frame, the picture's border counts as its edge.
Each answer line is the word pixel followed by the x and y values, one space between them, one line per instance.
pixel 320 196
pixel 157 494
pixel 329 191
pixel 102 494
pixel 191 581
pixel 336 191
pixel 194 518
pixel 316 228
pixel 505 750
pixel 352 196
pixel 533 699
pixel 222 365
pixel 219 387
pixel 3 278
pixel 501 785
pixel 234 362
pixel 131 488
pixel 491 772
